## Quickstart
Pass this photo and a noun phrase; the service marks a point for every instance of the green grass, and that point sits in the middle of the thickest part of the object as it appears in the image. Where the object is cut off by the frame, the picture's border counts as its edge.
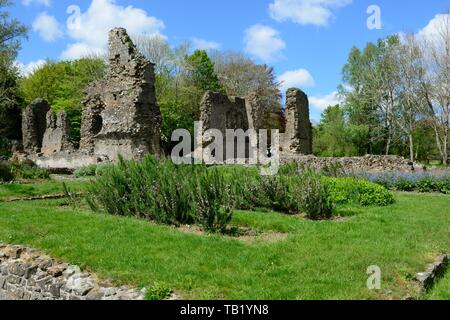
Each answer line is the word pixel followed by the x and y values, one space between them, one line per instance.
pixel 45 187
pixel 317 260
pixel 442 289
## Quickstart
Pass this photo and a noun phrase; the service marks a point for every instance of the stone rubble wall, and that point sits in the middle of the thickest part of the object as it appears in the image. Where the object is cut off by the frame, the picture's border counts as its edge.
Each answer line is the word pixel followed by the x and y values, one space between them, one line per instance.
pixel 370 163
pixel 26 274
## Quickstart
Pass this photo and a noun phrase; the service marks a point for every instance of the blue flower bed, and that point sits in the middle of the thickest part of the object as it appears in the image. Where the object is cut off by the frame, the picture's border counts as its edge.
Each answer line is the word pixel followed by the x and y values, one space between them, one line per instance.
pixel 436 181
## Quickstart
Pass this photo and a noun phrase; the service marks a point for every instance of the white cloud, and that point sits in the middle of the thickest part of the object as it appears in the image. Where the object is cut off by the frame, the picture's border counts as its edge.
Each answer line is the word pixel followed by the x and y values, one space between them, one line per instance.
pixel 320 103
pixel 296 78
pixel 46 3
pixel 305 12
pixel 263 42
pixel 435 27
pixel 48 27
pixel 91 33
pixel 202 44
pixel 28 68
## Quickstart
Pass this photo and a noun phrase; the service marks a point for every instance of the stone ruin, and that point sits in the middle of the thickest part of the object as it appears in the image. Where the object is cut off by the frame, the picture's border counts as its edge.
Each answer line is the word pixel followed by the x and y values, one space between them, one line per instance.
pixel 120 113
pixel 34 125
pixel 57 134
pixel 297 138
pixel 120 116
pixel 221 112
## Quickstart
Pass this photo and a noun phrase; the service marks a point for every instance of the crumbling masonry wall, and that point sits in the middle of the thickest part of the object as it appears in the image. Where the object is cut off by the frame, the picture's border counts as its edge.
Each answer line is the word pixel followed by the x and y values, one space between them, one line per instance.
pixel 120 113
pixel 221 112
pixel 34 125
pixel 57 135
pixel 297 138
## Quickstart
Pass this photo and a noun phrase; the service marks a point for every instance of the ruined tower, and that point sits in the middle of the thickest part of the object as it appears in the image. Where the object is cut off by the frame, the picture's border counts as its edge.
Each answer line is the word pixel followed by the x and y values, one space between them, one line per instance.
pixel 120 115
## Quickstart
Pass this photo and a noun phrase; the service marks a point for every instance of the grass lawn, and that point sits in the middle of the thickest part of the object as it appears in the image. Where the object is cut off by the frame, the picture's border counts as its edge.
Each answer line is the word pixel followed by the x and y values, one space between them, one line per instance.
pixel 45 187
pixel 317 260
pixel 442 290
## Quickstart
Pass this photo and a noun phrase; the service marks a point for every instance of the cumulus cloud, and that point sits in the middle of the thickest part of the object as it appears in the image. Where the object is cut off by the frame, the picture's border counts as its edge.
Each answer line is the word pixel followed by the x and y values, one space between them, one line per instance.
pixel 306 12
pixel 48 27
pixel 320 103
pixel 28 68
pixel 202 44
pixel 435 27
pixel 46 3
pixel 296 78
pixel 264 43
pixel 90 29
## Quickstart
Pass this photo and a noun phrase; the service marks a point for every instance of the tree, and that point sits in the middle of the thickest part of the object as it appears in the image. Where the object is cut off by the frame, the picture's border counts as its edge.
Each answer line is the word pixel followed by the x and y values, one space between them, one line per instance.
pixel 201 71
pixel 333 137
pixel 436 84
pixel 12 32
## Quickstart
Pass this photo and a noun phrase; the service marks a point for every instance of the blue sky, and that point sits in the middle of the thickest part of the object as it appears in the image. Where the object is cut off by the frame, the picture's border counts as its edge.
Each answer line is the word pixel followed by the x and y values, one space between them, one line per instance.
pixel 307 41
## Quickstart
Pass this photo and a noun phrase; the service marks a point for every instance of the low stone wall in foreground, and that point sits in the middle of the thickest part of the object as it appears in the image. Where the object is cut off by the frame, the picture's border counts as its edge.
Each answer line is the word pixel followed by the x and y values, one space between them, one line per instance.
pixel 26 274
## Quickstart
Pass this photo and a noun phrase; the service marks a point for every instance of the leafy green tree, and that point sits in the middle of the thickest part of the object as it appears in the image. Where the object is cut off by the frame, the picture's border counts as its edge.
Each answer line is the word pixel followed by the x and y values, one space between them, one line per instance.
pixel 332 138
pixel 201 72
pixel 12 32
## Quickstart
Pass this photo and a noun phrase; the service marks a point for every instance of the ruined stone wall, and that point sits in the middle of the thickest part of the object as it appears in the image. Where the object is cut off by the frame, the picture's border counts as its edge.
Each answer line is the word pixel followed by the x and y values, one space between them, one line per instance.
pixel 297 138
pixel 255 113
pixel 120 113
pixel 34 124
pixel 57 135
pixel 369 163
pixel 26 274
pixel 221 112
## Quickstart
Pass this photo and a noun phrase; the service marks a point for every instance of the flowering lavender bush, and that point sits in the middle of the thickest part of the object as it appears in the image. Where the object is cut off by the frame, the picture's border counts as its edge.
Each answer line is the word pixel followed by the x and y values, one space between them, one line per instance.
pixel 435 181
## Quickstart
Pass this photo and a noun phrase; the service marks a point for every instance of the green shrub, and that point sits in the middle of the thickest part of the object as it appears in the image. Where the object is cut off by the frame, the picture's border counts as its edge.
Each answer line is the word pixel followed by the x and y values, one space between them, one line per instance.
pixel 313 196
pixel 212 201
pixel 276 193
pixel 444 185
pixel 244 188
pixel 353 190
pixel 427 184
pixel 86 171
pixel 28 172
pixel 90 170
pixel 6 174
pixel 163 192
pixel 403 184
